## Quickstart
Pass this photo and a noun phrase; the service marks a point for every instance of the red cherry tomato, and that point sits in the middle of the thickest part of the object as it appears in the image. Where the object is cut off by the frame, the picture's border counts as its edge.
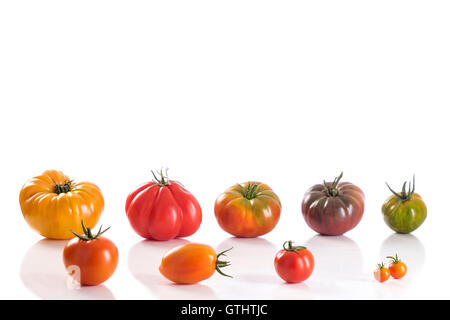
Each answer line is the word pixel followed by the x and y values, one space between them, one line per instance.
pixel 382 273
pixel 294 264
pixel 94 257
pixel 397 268
pixel 163 209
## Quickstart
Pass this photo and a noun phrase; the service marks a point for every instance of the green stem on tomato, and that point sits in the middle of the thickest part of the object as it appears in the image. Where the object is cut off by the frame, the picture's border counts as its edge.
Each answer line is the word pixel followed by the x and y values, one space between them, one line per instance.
pixel 251 191
pixel 333 191
pixel 381 265
pixel 403 195
pixel 62 188
pixel 222 264
pixel 88 236
pixel 290 247
pixel 163 179
pixel 394 259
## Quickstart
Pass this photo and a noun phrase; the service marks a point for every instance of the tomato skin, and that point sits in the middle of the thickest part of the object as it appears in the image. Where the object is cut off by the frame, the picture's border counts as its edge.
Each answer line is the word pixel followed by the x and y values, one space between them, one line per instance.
pixel 163 212
pixel 294 267
pixel 189 263
pixel 333 215
pixel 246 218
pixel 397 269
pixel 97 259
pixel 53 215
pixel 404 216
pixel 382 274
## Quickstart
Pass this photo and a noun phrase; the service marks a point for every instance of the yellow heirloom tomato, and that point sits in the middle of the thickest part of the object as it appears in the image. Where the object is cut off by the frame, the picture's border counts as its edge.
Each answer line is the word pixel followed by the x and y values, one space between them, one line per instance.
pixel 53 205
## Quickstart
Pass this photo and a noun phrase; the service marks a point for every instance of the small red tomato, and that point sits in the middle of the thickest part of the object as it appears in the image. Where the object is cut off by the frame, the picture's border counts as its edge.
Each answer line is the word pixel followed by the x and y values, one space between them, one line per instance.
pixel 382 273
pixel 397 268
pixel 294 264
pixel 93 256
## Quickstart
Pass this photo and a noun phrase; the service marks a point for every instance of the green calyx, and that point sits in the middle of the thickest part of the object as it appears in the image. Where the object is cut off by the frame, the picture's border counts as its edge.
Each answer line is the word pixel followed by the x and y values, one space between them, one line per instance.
pixel 333 191
pixel 163 179
pixel 287 246
pixel 381 265
pixel 394 259
pixel 63 188
pixel 251 191
pixel 403 195
pixel 221 264
pixel 88 236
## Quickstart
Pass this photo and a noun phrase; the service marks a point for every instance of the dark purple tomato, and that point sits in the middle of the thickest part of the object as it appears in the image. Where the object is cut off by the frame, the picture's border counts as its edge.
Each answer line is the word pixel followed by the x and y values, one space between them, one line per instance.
pixel 333 208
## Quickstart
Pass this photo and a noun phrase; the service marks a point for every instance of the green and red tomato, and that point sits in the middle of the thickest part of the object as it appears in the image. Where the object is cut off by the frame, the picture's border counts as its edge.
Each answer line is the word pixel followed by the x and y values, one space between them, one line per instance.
pixel 404 211
pixel 248 209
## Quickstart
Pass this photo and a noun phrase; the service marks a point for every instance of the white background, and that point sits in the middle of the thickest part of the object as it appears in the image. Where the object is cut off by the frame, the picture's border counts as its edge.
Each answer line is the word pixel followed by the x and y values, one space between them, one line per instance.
pixel 285 92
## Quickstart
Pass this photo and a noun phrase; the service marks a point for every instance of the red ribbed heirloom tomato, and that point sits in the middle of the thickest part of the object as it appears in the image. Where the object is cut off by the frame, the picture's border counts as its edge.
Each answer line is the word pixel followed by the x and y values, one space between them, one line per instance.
pixel 248 209
pixel 333 208
pixel 163 209
pixel 294 264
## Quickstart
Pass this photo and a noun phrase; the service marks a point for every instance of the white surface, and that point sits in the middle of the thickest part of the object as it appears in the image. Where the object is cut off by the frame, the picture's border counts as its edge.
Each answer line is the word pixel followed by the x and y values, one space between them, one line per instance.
pixel 288 93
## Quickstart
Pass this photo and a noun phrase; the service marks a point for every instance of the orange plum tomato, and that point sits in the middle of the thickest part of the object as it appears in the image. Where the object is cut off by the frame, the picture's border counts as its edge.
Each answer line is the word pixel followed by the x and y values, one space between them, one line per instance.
pixel 191 263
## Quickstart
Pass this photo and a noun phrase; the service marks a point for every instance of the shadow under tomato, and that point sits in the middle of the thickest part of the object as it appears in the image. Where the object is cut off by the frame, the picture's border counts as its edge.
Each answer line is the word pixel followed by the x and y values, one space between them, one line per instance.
pixel 338 271
pixel 250 258
pixel 43 273
pixel 336 257
pixel 409 249
pixel 295 291
pixel 252 265
pixel 144 259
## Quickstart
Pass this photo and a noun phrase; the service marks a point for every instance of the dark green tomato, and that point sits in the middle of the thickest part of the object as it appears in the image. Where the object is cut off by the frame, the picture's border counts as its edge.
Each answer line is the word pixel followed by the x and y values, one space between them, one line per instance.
pixel 404 216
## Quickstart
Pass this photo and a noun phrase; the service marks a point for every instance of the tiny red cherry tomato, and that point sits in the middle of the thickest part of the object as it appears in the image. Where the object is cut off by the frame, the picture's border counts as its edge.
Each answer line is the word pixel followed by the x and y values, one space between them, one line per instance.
pixel 294 264
pixel 382 273
pixel 397 267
